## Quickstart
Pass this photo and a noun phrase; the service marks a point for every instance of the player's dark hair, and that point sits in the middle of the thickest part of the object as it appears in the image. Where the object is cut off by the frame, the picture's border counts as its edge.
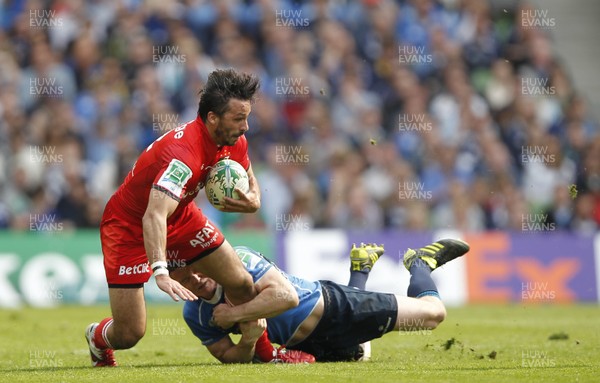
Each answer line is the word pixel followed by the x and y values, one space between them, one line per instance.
pixel 223 85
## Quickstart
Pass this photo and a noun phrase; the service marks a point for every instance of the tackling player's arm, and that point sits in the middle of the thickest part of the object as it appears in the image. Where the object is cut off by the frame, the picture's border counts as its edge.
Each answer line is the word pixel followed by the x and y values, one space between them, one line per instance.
pixel 243 352
pixel 154 223
pixel 275 296
pixel 248 202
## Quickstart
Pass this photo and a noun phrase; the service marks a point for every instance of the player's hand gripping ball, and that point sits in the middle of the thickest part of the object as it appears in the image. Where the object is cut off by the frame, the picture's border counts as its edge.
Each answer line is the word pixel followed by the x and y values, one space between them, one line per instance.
pixel 222 180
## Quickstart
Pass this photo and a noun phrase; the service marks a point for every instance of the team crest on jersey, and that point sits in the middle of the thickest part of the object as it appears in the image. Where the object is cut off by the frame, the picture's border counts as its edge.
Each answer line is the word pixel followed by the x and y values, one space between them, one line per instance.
pixel 175 177
pixel 224 155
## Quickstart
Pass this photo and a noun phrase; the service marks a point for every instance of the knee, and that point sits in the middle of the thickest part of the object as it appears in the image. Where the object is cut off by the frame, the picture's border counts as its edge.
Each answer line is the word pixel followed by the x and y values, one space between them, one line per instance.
pixel 128 337
pixel 246 283
pixel 241 290
pixel 242 284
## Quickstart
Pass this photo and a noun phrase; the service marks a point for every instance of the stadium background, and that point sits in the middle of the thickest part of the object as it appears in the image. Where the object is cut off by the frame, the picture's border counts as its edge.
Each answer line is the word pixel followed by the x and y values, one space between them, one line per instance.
pixel 396 122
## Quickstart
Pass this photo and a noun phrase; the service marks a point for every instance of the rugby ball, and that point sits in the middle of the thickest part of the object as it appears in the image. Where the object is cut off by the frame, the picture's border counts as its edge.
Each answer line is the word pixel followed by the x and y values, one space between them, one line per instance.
pixel 222 180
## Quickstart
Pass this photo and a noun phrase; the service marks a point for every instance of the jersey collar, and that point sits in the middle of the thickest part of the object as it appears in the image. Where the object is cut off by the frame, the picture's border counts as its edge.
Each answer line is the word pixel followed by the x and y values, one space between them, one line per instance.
pixel 217 297
pixel 204 134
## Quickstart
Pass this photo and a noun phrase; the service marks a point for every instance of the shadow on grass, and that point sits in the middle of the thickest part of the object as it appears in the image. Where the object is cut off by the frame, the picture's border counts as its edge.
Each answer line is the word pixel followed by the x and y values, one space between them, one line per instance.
pixel 219 365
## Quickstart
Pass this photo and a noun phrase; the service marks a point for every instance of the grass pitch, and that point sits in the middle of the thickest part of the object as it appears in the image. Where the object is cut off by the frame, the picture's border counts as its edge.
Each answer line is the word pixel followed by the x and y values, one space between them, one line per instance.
pixel 474 344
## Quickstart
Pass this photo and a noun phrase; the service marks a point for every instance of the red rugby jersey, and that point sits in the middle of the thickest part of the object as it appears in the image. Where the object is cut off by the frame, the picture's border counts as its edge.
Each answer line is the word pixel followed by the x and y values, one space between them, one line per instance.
pixel 177 163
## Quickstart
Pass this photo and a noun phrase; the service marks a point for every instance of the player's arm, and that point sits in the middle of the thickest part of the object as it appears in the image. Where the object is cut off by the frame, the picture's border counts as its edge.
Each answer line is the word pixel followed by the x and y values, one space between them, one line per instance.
pixel 248 202
pixel 275 296
pixel 154 223
pixel 243 352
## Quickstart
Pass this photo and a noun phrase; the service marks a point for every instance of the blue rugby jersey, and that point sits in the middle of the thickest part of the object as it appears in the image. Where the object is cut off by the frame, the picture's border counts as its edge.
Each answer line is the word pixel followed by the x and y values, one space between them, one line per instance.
pixel 198 314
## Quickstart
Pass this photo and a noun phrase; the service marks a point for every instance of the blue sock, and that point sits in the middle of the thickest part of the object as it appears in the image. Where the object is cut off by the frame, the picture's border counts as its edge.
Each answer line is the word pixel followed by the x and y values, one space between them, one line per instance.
pixel 421 283
pixel 358 279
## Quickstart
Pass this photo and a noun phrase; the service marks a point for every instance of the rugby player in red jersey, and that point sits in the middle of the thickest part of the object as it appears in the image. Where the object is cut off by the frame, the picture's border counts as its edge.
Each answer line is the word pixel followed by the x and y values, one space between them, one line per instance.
pixel 151 223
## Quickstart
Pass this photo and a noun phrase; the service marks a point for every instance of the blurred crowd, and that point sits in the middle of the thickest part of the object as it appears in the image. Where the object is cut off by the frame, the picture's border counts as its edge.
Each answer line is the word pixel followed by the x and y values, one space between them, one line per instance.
pixel 373 114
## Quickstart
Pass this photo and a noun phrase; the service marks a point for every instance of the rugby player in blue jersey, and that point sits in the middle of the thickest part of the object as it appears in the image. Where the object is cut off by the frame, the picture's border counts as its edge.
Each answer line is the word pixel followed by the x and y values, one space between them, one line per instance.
pixel 331 321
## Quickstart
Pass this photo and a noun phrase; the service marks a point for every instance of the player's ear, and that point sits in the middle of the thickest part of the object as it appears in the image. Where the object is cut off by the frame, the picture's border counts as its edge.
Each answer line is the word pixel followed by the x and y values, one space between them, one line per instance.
pixel 212 117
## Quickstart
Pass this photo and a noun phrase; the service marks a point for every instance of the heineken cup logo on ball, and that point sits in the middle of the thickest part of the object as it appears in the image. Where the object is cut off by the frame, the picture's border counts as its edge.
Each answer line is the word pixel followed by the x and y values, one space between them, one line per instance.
pixel 224 177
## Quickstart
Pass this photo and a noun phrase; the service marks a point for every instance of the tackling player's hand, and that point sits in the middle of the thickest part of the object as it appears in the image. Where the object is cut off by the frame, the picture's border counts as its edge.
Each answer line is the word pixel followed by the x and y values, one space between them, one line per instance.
pixel 174 288
pixel 248 202
pixel 252 330
pixel 222 316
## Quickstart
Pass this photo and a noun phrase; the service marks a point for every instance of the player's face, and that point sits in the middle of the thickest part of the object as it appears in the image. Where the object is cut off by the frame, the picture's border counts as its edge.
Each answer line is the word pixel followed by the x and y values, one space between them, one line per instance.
pixel 196 282
pixel 233 123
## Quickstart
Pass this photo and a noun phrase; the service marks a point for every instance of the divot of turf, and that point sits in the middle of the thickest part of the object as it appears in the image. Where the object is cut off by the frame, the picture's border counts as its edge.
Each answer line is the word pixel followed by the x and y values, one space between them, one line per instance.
pixel 559 336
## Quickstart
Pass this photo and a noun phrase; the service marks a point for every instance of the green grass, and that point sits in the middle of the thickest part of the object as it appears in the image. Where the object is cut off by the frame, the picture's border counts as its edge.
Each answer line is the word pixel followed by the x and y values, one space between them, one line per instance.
pixel 48 346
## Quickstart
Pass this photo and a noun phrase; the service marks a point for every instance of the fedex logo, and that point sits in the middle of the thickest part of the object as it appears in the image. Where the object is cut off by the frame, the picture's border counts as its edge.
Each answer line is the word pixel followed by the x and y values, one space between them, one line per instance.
pixel 142 268
pixel 503 268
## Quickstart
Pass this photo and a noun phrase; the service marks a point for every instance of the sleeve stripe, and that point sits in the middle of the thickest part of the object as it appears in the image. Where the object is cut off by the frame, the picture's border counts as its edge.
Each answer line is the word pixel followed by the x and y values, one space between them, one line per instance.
pixel 166 191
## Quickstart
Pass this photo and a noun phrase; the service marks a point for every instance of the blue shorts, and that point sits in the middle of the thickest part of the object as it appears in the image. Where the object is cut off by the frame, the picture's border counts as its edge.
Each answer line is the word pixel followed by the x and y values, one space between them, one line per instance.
pixel 350 317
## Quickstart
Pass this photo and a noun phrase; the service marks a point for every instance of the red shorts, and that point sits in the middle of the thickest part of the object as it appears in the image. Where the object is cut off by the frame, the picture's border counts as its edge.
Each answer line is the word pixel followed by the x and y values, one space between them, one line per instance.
pixel 191 237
